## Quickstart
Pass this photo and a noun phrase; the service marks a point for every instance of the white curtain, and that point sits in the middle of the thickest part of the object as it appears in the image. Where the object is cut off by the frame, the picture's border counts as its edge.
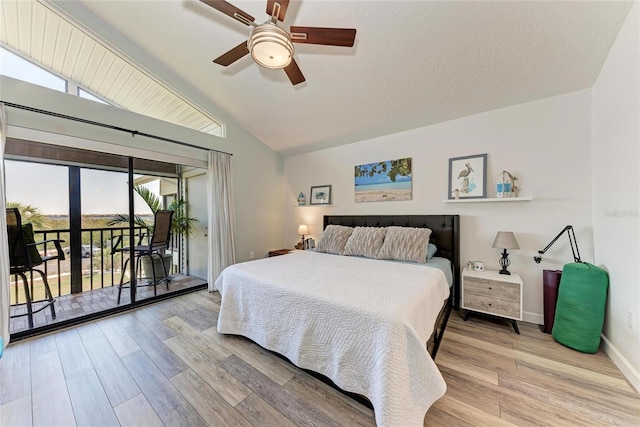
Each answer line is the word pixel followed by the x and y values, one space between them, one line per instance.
pixel 222 216
pixel 4 248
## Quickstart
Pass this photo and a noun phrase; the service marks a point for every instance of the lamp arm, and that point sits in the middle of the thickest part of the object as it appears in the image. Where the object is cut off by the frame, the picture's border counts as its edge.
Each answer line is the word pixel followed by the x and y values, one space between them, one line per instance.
pixel 572 241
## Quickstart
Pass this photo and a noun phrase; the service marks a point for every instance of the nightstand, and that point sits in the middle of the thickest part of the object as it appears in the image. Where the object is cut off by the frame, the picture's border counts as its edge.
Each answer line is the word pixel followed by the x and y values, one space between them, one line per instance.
pixel 279 252
pixel 492 293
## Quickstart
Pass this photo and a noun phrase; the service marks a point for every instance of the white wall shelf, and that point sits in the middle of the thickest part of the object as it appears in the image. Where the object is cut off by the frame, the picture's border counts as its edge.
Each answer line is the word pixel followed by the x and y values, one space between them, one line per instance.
pixel 493 199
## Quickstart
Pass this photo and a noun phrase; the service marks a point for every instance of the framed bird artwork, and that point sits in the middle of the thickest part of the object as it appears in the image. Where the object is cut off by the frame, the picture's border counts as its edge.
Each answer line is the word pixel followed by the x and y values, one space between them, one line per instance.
pixel 468 177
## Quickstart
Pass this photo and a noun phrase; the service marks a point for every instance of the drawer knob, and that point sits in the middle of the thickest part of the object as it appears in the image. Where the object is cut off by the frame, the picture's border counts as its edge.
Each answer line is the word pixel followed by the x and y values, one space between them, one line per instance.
pixel 489 304
pixel 490 288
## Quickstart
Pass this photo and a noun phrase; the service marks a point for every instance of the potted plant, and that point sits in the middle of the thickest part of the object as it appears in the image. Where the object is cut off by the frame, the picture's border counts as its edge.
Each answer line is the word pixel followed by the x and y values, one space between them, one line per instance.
pixel 181 224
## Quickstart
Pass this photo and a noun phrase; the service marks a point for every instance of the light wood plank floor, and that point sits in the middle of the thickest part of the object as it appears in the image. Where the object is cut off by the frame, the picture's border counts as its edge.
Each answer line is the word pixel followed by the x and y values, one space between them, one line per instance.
pixel 72 306
pixel 165 364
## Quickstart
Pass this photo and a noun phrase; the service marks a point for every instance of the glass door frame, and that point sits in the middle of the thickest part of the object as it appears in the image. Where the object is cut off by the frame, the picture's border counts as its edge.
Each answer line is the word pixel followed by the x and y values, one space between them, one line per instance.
pixel 75 237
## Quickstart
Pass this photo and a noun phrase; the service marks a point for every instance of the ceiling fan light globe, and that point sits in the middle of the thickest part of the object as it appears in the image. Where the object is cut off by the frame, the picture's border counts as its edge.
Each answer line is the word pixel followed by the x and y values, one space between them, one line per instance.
pixel 271 55
pixel 270 46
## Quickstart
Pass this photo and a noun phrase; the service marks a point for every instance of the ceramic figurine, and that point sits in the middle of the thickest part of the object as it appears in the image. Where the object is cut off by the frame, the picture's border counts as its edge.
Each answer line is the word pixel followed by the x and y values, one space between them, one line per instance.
pixel 504 186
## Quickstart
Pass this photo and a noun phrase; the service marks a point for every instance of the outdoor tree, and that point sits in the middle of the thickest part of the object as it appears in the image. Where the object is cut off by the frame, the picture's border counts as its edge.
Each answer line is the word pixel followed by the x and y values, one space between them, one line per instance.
pixel 400 167
pixel 30 214
pixel 180 222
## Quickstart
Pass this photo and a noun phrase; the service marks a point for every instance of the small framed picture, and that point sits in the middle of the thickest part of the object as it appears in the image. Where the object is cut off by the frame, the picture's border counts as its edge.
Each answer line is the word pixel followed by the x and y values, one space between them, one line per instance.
pixel 468 177
pixel 320 195
pixel 309 244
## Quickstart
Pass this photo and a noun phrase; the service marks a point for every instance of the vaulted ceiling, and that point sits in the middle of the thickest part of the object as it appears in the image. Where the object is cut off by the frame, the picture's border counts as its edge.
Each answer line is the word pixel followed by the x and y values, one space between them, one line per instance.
pixel 414 63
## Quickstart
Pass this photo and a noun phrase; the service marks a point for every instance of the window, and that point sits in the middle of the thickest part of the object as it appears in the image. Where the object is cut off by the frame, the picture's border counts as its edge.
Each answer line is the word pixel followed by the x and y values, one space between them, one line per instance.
pixel 86 95
pixel 12 65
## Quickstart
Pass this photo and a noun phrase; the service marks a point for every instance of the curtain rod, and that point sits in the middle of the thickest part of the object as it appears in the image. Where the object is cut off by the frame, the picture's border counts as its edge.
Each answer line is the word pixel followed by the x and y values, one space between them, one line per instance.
pixel 104 125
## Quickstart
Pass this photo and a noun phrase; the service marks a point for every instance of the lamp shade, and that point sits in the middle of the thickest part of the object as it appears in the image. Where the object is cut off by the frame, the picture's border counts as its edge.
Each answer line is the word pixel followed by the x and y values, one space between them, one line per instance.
pixel 505 240
pixel 270 46
pixel 303 229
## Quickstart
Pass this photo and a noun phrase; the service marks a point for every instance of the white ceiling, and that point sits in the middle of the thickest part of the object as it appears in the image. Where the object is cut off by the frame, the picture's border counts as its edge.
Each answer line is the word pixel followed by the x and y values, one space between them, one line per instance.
pixel 36 32
pixel 414 63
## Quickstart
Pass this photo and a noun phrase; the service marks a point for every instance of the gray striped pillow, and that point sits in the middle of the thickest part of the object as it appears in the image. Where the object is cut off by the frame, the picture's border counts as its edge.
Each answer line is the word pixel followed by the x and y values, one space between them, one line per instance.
pixel 405 244
pixel 365 241
pixel 333 239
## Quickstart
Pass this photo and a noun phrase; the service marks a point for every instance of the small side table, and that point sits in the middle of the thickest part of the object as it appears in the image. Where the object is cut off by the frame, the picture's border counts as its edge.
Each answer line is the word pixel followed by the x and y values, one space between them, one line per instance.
pixel 279 252
pixel 492 293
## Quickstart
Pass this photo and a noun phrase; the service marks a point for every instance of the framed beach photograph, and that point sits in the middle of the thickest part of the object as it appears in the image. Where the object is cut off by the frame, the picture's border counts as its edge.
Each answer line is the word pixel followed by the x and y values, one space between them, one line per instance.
pixel 468 177
pixel 383 181
pixel 320 195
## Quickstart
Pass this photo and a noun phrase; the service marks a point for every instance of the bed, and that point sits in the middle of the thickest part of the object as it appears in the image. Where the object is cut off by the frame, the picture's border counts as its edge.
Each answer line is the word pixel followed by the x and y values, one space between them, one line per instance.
pixel 363 323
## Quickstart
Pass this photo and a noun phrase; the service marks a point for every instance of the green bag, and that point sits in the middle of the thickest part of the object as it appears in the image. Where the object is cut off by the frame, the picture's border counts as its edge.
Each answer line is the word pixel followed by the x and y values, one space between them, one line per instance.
pixel 582 298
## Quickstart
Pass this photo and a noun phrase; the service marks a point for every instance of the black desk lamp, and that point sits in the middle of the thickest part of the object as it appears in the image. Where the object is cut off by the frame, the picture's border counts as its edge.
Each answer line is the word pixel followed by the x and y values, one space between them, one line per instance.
pixel 505 240
pixel 572 241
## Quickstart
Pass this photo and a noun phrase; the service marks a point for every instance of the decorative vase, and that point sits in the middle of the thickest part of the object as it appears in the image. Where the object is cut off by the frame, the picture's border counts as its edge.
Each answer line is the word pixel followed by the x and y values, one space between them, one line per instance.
pixel 504 185
pixel 301 201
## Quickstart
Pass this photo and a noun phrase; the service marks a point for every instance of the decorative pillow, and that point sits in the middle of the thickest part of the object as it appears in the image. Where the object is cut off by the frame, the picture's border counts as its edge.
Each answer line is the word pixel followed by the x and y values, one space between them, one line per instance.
pixel 334 238
pixel 431 250
pixel 405 244
pixel 365 241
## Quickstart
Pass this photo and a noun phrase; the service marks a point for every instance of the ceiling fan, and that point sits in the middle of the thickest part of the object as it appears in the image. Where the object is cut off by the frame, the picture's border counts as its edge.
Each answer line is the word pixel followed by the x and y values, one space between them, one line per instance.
pixel 271 46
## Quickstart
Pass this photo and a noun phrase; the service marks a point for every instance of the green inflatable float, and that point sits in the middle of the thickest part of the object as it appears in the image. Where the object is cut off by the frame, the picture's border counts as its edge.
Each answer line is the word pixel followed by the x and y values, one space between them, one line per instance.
pixel 582 298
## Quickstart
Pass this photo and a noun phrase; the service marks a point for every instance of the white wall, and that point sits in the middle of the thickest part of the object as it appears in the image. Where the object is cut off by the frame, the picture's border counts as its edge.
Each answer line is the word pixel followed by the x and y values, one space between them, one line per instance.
pixel 545 144
pixel 258 170
pixel 616 192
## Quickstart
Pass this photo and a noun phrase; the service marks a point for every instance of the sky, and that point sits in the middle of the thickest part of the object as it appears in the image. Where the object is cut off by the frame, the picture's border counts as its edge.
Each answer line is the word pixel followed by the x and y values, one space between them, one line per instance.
pixel 12 65
pixel 46 187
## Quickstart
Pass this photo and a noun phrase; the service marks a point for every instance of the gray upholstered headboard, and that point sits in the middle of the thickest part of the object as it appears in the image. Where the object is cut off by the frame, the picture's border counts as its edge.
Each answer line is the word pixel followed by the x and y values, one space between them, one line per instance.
pixel 445 234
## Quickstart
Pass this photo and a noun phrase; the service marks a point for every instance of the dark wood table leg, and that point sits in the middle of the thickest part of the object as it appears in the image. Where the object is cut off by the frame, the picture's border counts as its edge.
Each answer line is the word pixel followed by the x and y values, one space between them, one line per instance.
pixel 515 326
pixel 466 315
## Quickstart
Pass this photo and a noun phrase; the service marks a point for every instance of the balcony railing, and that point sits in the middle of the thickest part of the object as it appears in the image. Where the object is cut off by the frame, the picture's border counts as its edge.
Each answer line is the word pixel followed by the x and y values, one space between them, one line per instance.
pixel 101 267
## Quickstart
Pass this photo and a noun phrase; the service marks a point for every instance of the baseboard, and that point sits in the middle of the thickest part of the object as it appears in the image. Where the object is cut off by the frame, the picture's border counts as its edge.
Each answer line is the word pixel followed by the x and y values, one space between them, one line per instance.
pixel 625 367
pixel 535 318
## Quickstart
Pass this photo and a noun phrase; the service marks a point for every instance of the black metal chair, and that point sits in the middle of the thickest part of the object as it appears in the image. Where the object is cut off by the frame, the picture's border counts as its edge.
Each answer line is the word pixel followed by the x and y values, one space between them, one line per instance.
pixel 24 257
pixel 158 242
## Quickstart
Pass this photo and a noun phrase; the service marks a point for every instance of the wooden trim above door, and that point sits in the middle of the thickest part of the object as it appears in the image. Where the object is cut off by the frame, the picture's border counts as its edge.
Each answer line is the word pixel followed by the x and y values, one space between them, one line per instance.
pixel 25 149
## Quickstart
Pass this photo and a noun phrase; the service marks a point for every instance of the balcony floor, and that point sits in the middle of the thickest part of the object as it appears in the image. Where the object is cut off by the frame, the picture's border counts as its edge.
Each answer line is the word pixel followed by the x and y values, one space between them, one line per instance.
pixel 89 302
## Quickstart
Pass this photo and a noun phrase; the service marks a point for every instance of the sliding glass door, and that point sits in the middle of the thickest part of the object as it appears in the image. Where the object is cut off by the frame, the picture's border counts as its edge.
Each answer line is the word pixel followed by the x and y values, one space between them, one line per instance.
pixel 100 205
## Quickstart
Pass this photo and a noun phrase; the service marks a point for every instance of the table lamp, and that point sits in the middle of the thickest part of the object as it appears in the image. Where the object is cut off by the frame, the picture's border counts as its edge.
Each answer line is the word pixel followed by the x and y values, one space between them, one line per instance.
pixel 302 230
pixel 505 240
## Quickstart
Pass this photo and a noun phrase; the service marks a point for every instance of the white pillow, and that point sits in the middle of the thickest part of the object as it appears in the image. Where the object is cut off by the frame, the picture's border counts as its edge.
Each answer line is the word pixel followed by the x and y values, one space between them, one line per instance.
pixel 405 244
pixel 365 241
pixel 334 238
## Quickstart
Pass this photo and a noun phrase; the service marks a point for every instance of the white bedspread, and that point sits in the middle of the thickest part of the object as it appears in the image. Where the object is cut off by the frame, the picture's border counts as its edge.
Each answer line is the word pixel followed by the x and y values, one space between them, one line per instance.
pixel 363 323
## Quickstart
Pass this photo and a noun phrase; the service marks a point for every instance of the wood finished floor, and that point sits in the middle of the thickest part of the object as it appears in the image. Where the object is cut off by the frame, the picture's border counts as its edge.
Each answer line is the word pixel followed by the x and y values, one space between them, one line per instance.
pixel 72 306
pixel 165 364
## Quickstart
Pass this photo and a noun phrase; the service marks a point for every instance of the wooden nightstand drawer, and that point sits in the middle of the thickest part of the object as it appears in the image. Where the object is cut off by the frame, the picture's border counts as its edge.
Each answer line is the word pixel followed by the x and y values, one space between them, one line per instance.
pixel 510 291
pixel 492 305
pixel 492 293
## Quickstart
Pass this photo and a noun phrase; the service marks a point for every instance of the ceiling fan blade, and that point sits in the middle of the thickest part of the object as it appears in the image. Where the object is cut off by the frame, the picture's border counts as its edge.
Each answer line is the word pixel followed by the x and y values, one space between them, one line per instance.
pixel 283 8
pixel 233 55
pixel 294 73
pixel 325 36
pixel 231 10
